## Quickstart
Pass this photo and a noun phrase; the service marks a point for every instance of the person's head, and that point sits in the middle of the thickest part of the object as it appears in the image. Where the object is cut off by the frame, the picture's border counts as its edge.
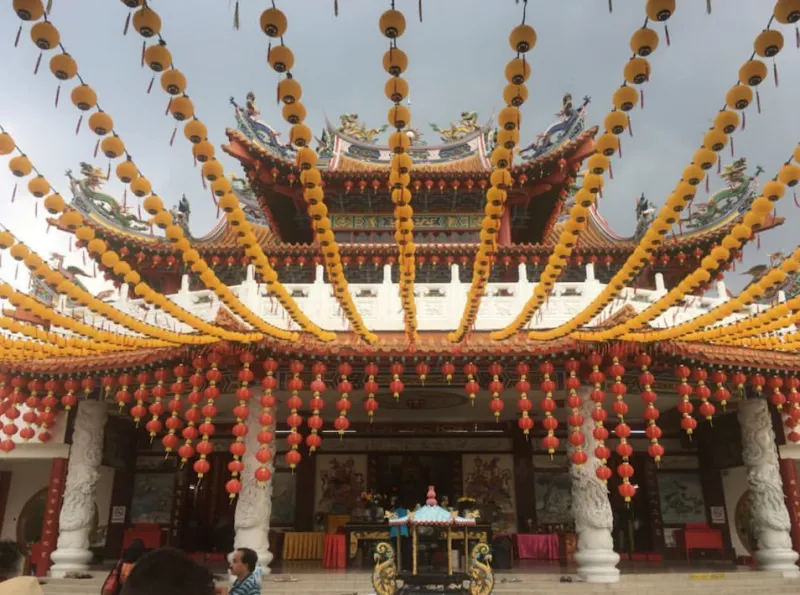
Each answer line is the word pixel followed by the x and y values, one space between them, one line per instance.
pixel 134 551
pixel 168 571
pixel 243 562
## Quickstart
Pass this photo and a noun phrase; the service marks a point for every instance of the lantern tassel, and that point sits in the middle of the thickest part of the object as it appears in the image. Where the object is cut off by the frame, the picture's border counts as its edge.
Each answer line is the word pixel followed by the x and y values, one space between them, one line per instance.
pixel 610 6
pixel 706 184
pixel 797 36
pixel 758 241
pixel 775 72
pixel 144 47
pixel 619 149
pixel 139 209
pixel 719 164
pixel 78 127
pixel 172 138
pixel 150 86
pixel 127 24
pixel 630 126
pixel 14 192
pixel 38 62
pixel 708 6
pixel 336 14
pixel 169 105
pixel 794 194
pixel 125 197
pixel 58 93
pixel 733 151
pixel 744 120
pixel 758 101
pixel 16 39
pixel 666 35
pixel 236 16
pixel 642 99
pixel 96 148
pixel 36 210
pixel 16 272
pixel 419 9
pixel 610 171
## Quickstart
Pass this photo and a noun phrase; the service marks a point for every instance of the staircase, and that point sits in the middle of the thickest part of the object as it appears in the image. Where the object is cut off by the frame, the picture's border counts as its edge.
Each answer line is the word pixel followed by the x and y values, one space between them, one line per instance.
pixel 742 582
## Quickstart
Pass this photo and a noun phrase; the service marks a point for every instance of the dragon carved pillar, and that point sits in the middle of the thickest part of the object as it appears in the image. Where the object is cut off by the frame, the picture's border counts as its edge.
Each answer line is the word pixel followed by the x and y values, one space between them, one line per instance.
pixel 254 505
pixel 770 518
pixel 597 561
pixel 77 509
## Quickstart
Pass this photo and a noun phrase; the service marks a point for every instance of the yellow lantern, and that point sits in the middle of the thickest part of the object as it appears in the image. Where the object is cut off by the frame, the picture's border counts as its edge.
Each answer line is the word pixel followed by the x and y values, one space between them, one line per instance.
pixel 28 10
pixel 280 58
pixel 705 158
pixel 607 144
pixel 768 43
pixel 311 178
pixel 616 122
pixel 396 89
pixel 300 135
pixel 517 71
pixel 54 204
pixel 85 233
pixel 660 10
pixel 392 23
pixel 289 90
pixel 501 157
pixel 399 116
pixel 212 170
pixel 715 140
pixel 146 22
pixel 63 66
pixel 625 98
pixel 593 183
pixel 101 123
pixel 522 38
pixel 644 41
pixel 38 186
pixel 598 163
pixel 173 233
pixel 401 196
pixel 71 220
pixel 7 144
pixel 313 195
pixel 294 113
pixel 203 151
pixel 306 158
pixel 500 180
pixel 637 71
pixel 195 131
pixel 158 58
pixel 752 219
pixel 508 138
pixel 153 204
pixel 762 206
pixel 273 22
pixel 20 166
pixel 786 11
pixel 6 240
pixel 109 259
pixel 181 108
pixel 727 121
pixel 18 252
pixel 773 190
pixel 739 97
pixel 84 97
pixel 789 174
pixel 515 95
pixel 112 147
pixel 395 61
pixel 127 171
pixel 584 197
pixel 509 118
pixel 45 35
pixel 399 142
pixel 173 81
pixel 753 72
pixel 141 186
pixel 693 174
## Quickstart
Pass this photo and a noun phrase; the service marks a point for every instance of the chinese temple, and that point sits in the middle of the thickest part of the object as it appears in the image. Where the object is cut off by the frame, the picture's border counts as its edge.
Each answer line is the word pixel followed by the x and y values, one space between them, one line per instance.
pixel 380 310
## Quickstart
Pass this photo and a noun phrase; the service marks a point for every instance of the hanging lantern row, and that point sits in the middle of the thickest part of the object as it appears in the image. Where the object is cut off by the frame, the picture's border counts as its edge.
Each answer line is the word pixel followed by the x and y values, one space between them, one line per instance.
pixel 715 140
pixel 267 422
pixel 241 413
pixel 274 24
pixel 792 415
pixel 522 39
pixel 40 412
pixel 575 420
pixel 392 24
pixel 599 416
pixel 651 413
pixel 294 421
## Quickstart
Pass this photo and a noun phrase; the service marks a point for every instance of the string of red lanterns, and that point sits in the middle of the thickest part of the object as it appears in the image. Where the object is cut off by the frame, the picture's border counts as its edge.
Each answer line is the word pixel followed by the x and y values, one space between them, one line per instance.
pixel 209 412
pixel 294 421
pixel 141 395
pixel 317 403
pixel 496 387
pixel 371 387
pixel 396 385
pixel 792 417
pixel 548 405
pixel 192 415
pixel 175 406
pixel 472 386
pixel 685 407
pixel 651 413
pixel 156 408
pixel 524 404
pixel 575 419
pixel 721 394
pixel 599 416
pixel 343 405
pixel 266 420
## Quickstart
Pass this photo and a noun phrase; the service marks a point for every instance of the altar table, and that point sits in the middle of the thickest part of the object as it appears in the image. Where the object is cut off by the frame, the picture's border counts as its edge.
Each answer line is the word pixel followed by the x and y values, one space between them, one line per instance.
pixel 303 546
pixel 531 546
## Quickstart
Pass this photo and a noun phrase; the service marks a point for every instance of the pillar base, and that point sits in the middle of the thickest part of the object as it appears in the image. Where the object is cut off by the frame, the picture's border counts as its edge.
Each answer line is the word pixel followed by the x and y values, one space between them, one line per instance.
pixel 597 566
pixel 779 560
pixel 69 560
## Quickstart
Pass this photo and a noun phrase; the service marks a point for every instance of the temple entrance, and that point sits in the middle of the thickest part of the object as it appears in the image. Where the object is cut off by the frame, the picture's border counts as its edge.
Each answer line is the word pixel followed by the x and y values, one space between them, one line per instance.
pixel 209 515
pixel 407 476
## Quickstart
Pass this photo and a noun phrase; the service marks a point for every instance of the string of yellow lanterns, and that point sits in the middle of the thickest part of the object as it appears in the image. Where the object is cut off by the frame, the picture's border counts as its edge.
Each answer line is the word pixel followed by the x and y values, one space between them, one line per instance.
pixel 73 220
pixel 159 59
pixel 55 340
pixel 724 333
pixel 273 23
pixel 756 215
pixel 392 24
pixel 64 67
pixel 727 120
pixel 522 39
pixel 644 42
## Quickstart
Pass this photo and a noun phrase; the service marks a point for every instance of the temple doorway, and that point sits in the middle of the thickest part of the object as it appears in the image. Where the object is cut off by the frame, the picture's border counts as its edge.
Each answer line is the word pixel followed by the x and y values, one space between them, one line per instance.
pixel 408 475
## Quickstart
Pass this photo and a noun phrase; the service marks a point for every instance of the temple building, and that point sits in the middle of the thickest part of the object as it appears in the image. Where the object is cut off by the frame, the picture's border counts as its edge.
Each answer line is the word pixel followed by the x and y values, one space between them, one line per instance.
pixel 432 327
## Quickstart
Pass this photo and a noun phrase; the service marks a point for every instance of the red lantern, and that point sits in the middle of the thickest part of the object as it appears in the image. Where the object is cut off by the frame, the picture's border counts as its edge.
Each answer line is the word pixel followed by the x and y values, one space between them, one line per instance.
pixel 685 407
pixel 423 370
pixel 293 458
pixel 448 369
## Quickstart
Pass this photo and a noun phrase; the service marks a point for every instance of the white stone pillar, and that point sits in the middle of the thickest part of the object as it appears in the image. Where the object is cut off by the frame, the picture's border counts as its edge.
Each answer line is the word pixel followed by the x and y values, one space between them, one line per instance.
pixel 770 518
pixel 77 509
pixel 596 558
pixel 254 505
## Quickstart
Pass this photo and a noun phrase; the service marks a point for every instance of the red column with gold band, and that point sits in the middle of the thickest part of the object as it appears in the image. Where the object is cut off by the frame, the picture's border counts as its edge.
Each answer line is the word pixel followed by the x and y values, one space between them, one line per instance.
pixel 791 492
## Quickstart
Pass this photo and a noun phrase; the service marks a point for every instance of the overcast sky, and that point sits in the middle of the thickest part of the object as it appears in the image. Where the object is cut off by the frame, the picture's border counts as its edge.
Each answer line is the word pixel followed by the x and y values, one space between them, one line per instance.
pixel 457 56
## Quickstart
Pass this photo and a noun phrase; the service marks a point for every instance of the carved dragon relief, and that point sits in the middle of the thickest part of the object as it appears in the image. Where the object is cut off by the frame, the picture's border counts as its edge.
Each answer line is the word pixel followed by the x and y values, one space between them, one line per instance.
pixel 352 126
pixel 384 575
pixel 88 198
pixel 466 125
pixel 481 575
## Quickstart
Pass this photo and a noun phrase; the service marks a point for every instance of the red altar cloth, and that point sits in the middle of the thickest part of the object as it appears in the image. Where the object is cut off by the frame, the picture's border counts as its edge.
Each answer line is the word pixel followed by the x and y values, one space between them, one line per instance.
pixel 537 547
pixel 334 551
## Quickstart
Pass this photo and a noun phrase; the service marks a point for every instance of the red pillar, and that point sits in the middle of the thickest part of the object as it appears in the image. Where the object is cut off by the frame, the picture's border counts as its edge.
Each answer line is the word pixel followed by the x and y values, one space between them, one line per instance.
pixel 791 492
pixel 55 493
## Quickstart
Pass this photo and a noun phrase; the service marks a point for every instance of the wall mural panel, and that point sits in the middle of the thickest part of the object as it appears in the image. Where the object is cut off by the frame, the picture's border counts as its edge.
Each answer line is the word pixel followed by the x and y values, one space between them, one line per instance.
pixel 339 482
pixel 152 498
pixel 681 496
pixel 284 491
pixel 489 478
pixel 553 498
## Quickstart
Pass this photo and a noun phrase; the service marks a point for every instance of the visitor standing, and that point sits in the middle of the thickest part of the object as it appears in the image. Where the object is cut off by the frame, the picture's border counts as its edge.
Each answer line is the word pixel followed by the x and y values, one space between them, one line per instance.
pixel 243 567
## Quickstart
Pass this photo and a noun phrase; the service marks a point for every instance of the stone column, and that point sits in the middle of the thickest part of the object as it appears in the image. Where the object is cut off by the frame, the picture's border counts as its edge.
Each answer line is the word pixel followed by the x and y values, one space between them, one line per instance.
pixel 254 505
pixel 596 558
pixel 770 519
pixel 77 509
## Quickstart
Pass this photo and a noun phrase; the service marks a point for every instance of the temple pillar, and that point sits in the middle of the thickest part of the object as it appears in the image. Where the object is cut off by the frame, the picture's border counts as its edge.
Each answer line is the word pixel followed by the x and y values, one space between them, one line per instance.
pixel 791 492
pixel 77 509
pixel 770 518
pixel 254 503
pixel 594 521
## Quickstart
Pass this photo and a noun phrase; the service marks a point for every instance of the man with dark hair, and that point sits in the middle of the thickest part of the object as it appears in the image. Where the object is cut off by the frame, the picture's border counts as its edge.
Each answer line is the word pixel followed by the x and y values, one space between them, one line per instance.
pixel 243 566
pixel 168 571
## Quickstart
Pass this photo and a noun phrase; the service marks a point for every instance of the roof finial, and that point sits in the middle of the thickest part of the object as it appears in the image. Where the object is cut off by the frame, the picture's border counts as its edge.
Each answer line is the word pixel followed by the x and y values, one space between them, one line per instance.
pixel 431 501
